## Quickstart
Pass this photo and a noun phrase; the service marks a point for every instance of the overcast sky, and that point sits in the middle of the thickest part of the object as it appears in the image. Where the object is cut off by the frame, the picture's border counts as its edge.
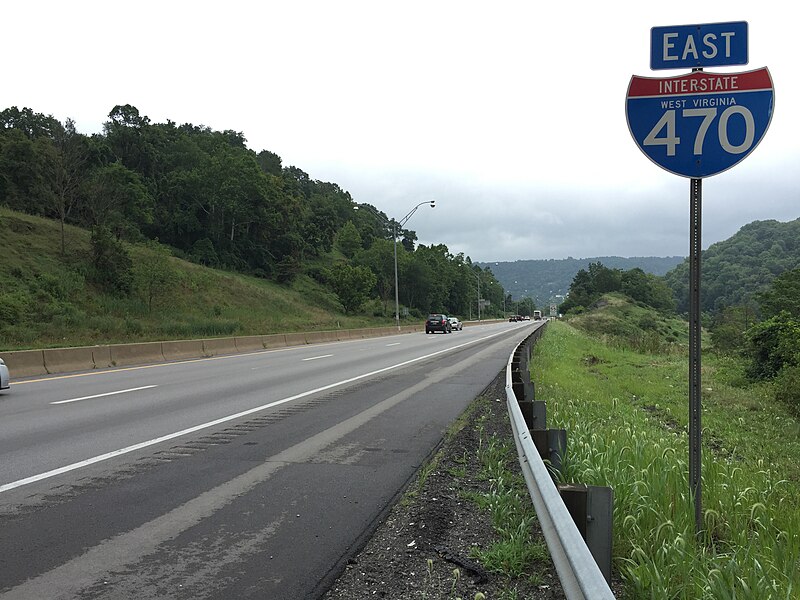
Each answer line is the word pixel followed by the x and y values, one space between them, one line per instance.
pixel 511 115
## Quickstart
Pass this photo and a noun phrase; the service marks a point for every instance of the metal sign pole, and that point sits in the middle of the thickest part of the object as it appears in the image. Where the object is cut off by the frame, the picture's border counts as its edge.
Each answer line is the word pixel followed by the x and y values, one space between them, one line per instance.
pixel 695 213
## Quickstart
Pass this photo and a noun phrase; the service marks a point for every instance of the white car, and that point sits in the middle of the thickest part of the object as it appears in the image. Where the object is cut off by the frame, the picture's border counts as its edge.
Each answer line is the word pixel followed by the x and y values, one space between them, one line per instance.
pixel 455 324
pixel 4 378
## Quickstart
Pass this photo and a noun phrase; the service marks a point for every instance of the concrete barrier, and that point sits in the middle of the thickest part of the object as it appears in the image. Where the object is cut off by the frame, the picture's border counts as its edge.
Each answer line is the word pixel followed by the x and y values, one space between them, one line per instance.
pixel 102 357
pixel 136 354
pixel 295 339
pixel 318 337
pixel 249 343
pixel 66 360
pixel 217 346
pixel 24 363
pixel 276 340
pixel 182 349
pixel 315 337
pixel 27 363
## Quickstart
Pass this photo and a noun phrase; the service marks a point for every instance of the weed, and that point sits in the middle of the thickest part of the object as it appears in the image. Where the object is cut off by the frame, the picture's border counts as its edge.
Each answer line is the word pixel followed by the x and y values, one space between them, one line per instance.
pixel 509 506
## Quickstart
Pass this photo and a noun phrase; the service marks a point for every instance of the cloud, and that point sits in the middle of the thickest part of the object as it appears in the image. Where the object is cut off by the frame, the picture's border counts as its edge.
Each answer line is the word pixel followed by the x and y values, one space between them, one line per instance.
pixel 511 115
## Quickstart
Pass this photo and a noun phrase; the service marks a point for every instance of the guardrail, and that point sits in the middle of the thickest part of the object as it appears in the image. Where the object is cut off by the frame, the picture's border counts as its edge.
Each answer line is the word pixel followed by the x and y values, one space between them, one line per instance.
pixel 568 531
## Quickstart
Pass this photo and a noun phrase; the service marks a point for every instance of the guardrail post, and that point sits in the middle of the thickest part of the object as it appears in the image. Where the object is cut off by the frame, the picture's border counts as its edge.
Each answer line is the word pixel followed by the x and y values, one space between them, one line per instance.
pixel 551 444
pixel 534 413
pixel 591 508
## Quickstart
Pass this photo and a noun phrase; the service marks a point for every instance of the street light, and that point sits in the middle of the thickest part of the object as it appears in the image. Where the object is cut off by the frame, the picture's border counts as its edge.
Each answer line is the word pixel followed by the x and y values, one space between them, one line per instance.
pixel 395 225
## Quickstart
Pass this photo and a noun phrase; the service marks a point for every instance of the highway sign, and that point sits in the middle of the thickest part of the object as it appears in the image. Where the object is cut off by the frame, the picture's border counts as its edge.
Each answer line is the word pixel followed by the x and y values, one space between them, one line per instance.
pixel 698 46
pixel 700 124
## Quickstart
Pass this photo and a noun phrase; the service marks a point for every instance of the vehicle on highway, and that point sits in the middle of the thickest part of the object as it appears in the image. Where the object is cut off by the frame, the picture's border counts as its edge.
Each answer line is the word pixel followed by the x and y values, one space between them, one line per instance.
pixel 438 323
pixel 4 376
pixel 514 318
pixel 537 315
pixel 455 324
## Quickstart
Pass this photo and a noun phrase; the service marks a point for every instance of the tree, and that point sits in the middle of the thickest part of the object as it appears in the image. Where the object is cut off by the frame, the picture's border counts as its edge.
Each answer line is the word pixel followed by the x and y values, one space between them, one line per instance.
pixel 154 276
pixel 351 284
pixel 68 170
pixel 729 328
pixel 269 162
pixel 774 344
pixel 604 280
pixel 379 258
pixel 32 124
pixel 526 306
pixel 581 292
pixel 348 240
pixel 783 295
pixel 23 166
pixel 646 288
pixel 118 200
pixel 127 136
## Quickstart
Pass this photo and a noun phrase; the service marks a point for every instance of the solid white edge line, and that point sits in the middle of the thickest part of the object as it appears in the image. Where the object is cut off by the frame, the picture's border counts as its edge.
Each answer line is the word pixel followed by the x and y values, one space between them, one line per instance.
pixel 144 387
pixel 103 457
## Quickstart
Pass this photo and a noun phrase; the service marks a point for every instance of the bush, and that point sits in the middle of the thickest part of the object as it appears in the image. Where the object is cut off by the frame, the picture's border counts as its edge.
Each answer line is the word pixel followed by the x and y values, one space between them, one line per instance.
pixel 787 388
pixel 111 264
pixel 772 345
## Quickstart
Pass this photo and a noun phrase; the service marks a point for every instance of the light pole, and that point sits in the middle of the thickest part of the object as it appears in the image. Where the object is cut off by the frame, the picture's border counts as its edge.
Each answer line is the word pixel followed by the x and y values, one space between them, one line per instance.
pixel 395 225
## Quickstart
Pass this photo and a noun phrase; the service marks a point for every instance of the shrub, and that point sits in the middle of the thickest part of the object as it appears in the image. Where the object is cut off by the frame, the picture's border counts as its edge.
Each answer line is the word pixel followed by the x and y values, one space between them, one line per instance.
pixel 772 345
pixel 787 387
pixel 112 265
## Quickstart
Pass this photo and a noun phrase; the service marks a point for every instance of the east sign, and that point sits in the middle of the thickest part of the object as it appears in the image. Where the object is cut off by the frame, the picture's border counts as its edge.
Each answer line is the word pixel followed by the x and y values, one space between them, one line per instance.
pixel 698 46
pixel 700 124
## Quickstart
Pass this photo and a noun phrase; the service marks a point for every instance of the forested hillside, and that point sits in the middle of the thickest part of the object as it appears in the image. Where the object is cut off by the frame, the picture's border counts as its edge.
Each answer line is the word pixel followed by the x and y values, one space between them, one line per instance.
pixel 734 271
pixel 543 279
pixel 208 198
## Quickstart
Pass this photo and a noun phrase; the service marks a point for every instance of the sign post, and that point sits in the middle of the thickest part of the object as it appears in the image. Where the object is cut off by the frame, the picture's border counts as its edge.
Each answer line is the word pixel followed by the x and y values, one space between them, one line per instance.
pixel 697 125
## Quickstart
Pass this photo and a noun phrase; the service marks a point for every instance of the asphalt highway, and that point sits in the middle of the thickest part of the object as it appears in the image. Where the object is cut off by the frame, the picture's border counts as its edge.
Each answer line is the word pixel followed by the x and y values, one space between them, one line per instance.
pixel 246 476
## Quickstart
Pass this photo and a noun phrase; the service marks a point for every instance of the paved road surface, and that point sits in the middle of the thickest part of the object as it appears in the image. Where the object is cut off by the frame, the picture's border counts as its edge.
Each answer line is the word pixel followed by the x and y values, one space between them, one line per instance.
pixel 249 476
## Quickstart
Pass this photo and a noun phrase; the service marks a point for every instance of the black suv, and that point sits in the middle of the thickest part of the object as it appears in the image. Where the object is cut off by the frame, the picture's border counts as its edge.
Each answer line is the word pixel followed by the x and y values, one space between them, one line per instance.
pixel 438 323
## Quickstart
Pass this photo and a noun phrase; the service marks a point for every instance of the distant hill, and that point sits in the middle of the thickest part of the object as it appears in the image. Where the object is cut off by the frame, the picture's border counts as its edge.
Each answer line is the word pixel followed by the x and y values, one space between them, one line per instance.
pixel 542 280
pixel 735 270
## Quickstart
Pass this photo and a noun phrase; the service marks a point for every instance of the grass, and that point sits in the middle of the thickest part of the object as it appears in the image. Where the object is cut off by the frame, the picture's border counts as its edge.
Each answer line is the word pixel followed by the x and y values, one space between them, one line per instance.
pixel 626 414
pixel 512 515
pixel 47 298
pixel 512 553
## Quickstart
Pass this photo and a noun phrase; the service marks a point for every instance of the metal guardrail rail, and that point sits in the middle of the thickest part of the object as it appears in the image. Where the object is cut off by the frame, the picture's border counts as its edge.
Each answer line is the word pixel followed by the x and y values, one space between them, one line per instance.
pixel 581 577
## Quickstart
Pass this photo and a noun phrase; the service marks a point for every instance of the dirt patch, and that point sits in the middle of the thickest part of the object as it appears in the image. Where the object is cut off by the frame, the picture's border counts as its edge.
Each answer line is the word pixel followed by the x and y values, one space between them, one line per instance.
pixel 592 360
pixel 666 420
pixel 424 548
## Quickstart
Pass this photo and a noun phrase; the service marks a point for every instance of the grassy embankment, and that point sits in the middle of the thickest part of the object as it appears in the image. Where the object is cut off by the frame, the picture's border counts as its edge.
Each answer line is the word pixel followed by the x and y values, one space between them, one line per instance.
pixel 47 299
pixel 621 392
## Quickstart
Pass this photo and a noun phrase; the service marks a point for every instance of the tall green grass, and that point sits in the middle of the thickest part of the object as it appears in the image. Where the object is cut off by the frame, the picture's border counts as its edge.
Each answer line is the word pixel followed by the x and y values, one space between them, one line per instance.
pixel 626 415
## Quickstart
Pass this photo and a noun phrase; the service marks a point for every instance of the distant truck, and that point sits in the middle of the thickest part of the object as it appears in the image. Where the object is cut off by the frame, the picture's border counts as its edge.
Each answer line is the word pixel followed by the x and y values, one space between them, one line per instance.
pixel 537 315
